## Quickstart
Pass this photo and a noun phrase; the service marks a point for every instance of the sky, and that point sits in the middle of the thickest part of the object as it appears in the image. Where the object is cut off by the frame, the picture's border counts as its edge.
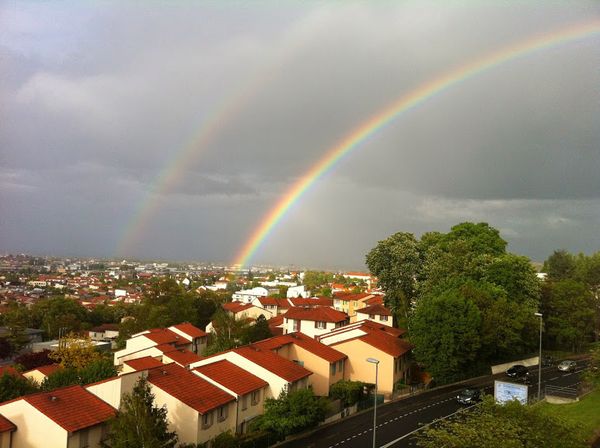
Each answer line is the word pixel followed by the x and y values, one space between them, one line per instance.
pixel 233 102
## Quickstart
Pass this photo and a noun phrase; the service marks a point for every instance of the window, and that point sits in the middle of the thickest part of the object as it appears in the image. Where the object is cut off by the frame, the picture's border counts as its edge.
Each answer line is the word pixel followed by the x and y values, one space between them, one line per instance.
pixel 372 316
pixel 341 365
pixel 297 361
pixel 319 324
pixel 222 413
pixel 255 397
pixel 332 368
pixel 383 318
pixel 207 420
pixel 296 325
pixel 244 402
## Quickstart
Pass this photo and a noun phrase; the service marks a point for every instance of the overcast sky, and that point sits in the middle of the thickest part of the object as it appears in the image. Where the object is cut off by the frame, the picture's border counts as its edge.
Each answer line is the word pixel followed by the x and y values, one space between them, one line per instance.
pixel 98 98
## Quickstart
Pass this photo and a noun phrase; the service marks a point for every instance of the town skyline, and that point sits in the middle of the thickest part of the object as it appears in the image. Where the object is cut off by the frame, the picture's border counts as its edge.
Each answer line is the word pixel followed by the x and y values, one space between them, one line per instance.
pixel 174 131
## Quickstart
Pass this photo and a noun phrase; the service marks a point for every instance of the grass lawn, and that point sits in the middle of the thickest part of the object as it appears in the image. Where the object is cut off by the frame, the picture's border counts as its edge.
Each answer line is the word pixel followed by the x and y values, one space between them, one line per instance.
pixel 586 412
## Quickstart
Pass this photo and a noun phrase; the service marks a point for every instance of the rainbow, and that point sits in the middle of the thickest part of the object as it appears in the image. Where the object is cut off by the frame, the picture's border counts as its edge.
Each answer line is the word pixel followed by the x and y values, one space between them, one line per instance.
pixel 405 103
pixel 221 115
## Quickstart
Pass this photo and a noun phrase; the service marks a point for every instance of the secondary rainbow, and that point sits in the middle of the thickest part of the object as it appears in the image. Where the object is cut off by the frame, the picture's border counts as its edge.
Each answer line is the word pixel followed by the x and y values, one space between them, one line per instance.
pixel 408 101
pixel 219 116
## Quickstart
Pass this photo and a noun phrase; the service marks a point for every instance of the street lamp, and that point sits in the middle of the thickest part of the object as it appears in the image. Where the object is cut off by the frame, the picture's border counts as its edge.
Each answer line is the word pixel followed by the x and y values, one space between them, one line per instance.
pixel 539 394
pixel 376 362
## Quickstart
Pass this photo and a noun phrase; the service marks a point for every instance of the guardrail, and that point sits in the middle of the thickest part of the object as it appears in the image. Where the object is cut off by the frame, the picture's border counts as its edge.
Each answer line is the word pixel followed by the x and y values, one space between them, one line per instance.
pixel 564 392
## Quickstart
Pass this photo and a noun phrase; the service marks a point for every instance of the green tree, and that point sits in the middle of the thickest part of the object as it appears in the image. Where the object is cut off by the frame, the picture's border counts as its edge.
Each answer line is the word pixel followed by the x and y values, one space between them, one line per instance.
pixel 292 413
pixel 569 310
pixel 516 275
pixel 13 386
pixel 257 332
pixel 97 370
pixel 139 422
pixel 560 265
pixel 58 313
pixel 445 332
pixel 493 425
pixel 350 392
pixel 396 262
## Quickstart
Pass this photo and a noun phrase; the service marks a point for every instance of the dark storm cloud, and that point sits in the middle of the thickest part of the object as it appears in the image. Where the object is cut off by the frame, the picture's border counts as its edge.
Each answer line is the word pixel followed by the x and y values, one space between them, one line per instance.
pixel 99 99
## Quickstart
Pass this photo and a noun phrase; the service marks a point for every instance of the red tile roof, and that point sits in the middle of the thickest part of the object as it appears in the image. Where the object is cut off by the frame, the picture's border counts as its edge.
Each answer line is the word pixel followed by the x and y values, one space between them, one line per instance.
pixel 276 301
pixel 387 344
pixel 236 307
pixel 182 357
pixel 381 337
pixel 188 388
pixel 307 343
pixel 10 370
pixel 232 377
pixel 274 363
pixel 315 301
pixel 375 309
pixel 6 425
pixel 397 332
pixel 321 314
pixel 46 370
pixel 190 330
pixel 144 363
pixel 376 299
pixel 166 336
pixel 105 327
pixel 351 296
pixel 72 407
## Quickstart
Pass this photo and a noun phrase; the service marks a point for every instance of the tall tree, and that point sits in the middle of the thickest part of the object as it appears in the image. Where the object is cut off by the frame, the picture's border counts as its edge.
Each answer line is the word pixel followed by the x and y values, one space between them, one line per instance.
pixel 569 310
pixel 139 422
pixel 76 352
pixel 13 386
pixel 445 332
pixel 396 262
pixel 560 265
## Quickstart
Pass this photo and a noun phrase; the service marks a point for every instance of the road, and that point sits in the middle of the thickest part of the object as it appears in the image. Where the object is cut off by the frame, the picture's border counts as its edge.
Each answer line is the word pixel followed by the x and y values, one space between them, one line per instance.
pixel 397 421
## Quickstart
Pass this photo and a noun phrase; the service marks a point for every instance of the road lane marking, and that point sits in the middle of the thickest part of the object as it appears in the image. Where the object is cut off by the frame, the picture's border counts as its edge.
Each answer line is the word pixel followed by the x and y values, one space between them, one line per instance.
pixel 424 426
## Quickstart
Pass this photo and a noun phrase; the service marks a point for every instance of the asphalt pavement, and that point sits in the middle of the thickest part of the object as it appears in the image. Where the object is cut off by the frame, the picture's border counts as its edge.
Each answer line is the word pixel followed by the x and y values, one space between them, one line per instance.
pixel 398 421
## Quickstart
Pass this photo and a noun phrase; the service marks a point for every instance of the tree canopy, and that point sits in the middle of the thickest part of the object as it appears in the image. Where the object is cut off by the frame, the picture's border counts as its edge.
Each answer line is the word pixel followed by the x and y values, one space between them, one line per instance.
pixel 493 425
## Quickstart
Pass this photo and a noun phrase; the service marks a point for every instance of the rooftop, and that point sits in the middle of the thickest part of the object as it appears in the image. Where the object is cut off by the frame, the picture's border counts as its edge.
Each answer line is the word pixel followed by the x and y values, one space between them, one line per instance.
pixel 274 363
pixel 189 329
pixel 144 363
pixel 320 314
pixel 232 377
pixel 188 388
pixel 72 407
pixel 307 343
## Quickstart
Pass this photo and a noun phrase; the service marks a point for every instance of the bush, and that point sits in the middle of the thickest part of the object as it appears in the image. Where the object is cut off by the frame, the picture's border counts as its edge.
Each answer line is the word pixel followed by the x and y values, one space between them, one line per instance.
pixel 349 392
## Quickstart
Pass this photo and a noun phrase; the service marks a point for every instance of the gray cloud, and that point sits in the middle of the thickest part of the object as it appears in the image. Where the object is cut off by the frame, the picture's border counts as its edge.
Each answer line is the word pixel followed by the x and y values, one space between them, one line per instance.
pixel 99 99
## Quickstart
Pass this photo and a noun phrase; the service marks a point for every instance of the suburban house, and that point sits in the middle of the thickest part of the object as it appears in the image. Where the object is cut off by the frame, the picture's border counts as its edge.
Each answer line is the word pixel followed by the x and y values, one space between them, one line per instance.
pixel 180 356
pixel 367 339
pixel 137 364
pixel 297 291
pixel 326 363
pixel 377 313
pixel 274 304
pixel 313 321
pixel 241 310
pixel 154 342
pixel 66 417
pixel 198 337
pixel 39 374
pixel 350 303
pixel 250 295
pixel 196 409
pixel 278 372
pixel 248 389
pixel 111 390
pixel 105 333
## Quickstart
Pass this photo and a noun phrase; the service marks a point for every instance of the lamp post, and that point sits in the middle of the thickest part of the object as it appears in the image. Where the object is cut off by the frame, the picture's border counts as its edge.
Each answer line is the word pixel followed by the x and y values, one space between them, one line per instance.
pixel 376 362
pixel 539 394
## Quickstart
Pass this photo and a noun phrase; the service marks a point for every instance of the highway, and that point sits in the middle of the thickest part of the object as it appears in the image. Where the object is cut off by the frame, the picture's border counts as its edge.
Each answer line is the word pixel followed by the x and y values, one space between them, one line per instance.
pixel 398 421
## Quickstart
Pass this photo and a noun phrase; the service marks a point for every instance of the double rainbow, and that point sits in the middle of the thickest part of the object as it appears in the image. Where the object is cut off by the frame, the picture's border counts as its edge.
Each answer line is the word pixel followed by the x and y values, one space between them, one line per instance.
pixel 407 102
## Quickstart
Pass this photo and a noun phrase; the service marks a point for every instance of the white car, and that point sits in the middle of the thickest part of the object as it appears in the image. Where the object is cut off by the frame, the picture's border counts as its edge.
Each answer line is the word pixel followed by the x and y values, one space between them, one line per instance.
pixel 567 366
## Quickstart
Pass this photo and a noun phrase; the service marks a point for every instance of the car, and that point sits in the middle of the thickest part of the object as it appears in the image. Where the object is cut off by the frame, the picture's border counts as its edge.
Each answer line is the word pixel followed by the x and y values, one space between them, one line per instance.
pixel 469 396
pixel 567 366
pixel 518 371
